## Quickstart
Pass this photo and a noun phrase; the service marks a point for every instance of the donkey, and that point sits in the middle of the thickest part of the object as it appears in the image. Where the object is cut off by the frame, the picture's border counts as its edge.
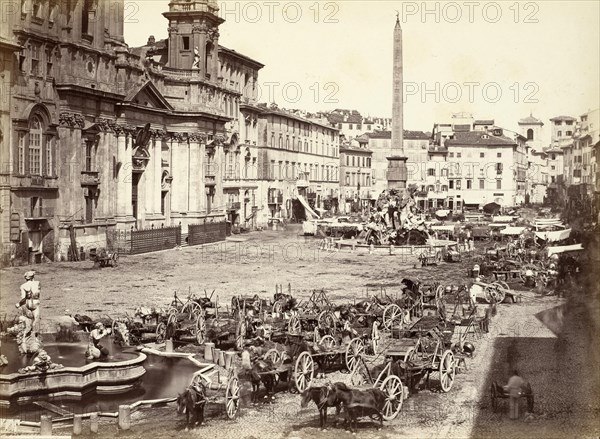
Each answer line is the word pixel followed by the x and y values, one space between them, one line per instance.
pixel 314 394
pixel 356 402
pixel 192 402
pixel 262 371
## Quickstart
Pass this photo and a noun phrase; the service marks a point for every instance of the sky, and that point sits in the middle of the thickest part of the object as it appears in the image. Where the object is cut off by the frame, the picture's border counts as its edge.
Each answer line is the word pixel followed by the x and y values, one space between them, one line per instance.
pixel 497 60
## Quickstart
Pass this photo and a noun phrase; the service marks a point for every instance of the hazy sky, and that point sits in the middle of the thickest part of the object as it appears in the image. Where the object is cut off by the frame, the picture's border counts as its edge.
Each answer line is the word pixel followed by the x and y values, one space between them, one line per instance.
pixel 496 60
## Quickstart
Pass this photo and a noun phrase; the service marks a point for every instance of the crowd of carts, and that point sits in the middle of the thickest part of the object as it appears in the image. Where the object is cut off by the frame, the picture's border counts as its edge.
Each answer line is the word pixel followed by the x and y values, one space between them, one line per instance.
pixel 421 336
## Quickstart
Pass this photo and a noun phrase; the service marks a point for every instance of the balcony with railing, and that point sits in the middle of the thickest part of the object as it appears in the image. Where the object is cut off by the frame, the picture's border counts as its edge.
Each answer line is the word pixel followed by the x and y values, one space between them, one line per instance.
pixel 37 182
pixel 39 213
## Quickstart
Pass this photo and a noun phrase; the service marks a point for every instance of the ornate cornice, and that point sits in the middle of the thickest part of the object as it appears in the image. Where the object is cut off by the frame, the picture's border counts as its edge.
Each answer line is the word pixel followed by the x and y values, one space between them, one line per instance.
pixel 71 120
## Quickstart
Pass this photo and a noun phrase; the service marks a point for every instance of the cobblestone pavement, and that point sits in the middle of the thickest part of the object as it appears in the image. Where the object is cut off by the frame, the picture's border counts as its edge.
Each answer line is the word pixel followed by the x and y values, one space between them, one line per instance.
pixel 563 370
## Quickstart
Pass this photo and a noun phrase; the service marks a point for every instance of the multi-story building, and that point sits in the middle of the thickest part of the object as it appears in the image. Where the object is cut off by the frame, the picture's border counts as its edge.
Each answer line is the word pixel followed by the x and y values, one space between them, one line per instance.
pixel 105 137
pixel 563 128
pixel 416 145
pixel 355 178
pixel 296 157
pixel 9 232
pixel 531 129
pixel 482 165
pixel 352 124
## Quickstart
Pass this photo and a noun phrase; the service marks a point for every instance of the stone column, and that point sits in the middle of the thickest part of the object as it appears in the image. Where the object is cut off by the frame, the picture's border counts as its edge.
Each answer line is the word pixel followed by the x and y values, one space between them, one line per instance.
pixel 121 175
pixel 157 163
pixel 128 176
pixel 149 182
pixel 195 173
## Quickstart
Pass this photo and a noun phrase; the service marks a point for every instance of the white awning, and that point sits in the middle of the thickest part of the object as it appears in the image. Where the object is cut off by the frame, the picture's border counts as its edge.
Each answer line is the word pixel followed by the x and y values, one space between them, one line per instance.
pixel 564 248
pixel 558 235
pixel 497 226
pixel 504 218
pixel 512 231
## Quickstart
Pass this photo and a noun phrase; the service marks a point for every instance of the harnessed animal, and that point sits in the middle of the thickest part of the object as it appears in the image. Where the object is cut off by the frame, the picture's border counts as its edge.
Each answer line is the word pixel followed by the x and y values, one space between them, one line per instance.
pixel 192 402
pixel 356 403
pixel 314 394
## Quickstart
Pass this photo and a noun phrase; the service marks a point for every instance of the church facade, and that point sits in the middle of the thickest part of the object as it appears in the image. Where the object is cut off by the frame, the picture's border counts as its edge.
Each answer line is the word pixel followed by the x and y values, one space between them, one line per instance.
pixel 98 137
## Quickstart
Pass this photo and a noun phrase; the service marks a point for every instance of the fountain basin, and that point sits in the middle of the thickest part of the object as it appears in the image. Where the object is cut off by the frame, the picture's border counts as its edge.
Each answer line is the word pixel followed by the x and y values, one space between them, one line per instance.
pixel 118 375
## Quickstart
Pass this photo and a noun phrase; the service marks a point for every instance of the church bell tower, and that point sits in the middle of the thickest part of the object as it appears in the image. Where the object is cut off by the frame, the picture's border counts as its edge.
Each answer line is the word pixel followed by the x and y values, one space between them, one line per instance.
pixel 194 36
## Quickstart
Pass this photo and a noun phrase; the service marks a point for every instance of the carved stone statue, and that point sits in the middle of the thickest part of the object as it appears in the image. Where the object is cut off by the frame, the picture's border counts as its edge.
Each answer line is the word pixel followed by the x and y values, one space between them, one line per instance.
pixel 41 363
pixel 196 64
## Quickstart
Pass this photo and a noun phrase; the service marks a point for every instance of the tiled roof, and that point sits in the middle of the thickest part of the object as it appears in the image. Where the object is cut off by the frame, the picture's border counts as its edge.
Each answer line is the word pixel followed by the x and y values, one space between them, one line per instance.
pixel 479 138
pixel 563 118
pixel 408 134
pixel 530 120
pixel 488 122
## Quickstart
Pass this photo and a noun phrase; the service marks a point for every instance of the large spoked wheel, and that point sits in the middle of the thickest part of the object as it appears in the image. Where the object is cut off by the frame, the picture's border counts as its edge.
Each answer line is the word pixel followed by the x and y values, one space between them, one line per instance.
pixel 200 329
pixel 294 325
pixel 191 309
pixel 274 356
pixel 304 371
pixel 326 320
pixel 447 371
pixel 161 332
pixel 354 352
pixel 278 307
pixel 394 396
pixel 232 397
pixel 492 293
pixel 392 316
pixel 240 335
pixel 502 289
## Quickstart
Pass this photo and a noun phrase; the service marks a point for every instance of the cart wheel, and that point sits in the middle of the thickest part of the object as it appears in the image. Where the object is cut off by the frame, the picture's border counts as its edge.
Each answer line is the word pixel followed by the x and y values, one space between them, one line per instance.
pixel 375 337
pixel 274 356
pixel 394 396
pixel 494 397
pixel 501 291
pixel 192 309
pixel 240 335
pixel 232 397
pixel 326 320
pixel 392 316
pixel 200 329
pixel 278 306
pixel 447 371
pixel 294 324
pixel 354 351
pixel 161 332
pixel 304 371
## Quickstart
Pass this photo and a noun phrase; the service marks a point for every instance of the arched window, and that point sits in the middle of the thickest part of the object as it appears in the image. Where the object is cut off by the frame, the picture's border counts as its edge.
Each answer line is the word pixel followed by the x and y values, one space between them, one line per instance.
pixel 530 134
pixel 35 146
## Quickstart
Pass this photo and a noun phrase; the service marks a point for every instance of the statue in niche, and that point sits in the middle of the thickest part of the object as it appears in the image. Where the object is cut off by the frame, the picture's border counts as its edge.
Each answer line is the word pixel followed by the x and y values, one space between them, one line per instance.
pixel 196 64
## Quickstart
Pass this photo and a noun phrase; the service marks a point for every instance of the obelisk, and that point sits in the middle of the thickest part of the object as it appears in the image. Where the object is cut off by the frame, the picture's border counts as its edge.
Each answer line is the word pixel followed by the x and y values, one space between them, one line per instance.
pixel 397 172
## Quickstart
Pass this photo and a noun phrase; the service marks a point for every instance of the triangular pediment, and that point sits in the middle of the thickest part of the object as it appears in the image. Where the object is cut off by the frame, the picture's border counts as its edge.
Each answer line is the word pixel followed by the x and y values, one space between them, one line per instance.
pixel 147 95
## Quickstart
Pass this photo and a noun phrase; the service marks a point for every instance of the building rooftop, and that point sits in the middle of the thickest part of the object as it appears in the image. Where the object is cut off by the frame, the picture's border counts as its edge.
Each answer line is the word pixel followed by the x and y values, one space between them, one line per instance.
pixel 477 138
pixel 408 134
pixel 488 122
pixel 530 120
pixel 563 118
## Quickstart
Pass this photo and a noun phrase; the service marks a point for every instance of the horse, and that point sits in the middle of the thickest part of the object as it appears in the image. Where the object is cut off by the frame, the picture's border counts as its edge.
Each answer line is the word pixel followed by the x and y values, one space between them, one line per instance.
pixel 192 402
pixel 314 394
pixel 262 371
pixel 356 402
